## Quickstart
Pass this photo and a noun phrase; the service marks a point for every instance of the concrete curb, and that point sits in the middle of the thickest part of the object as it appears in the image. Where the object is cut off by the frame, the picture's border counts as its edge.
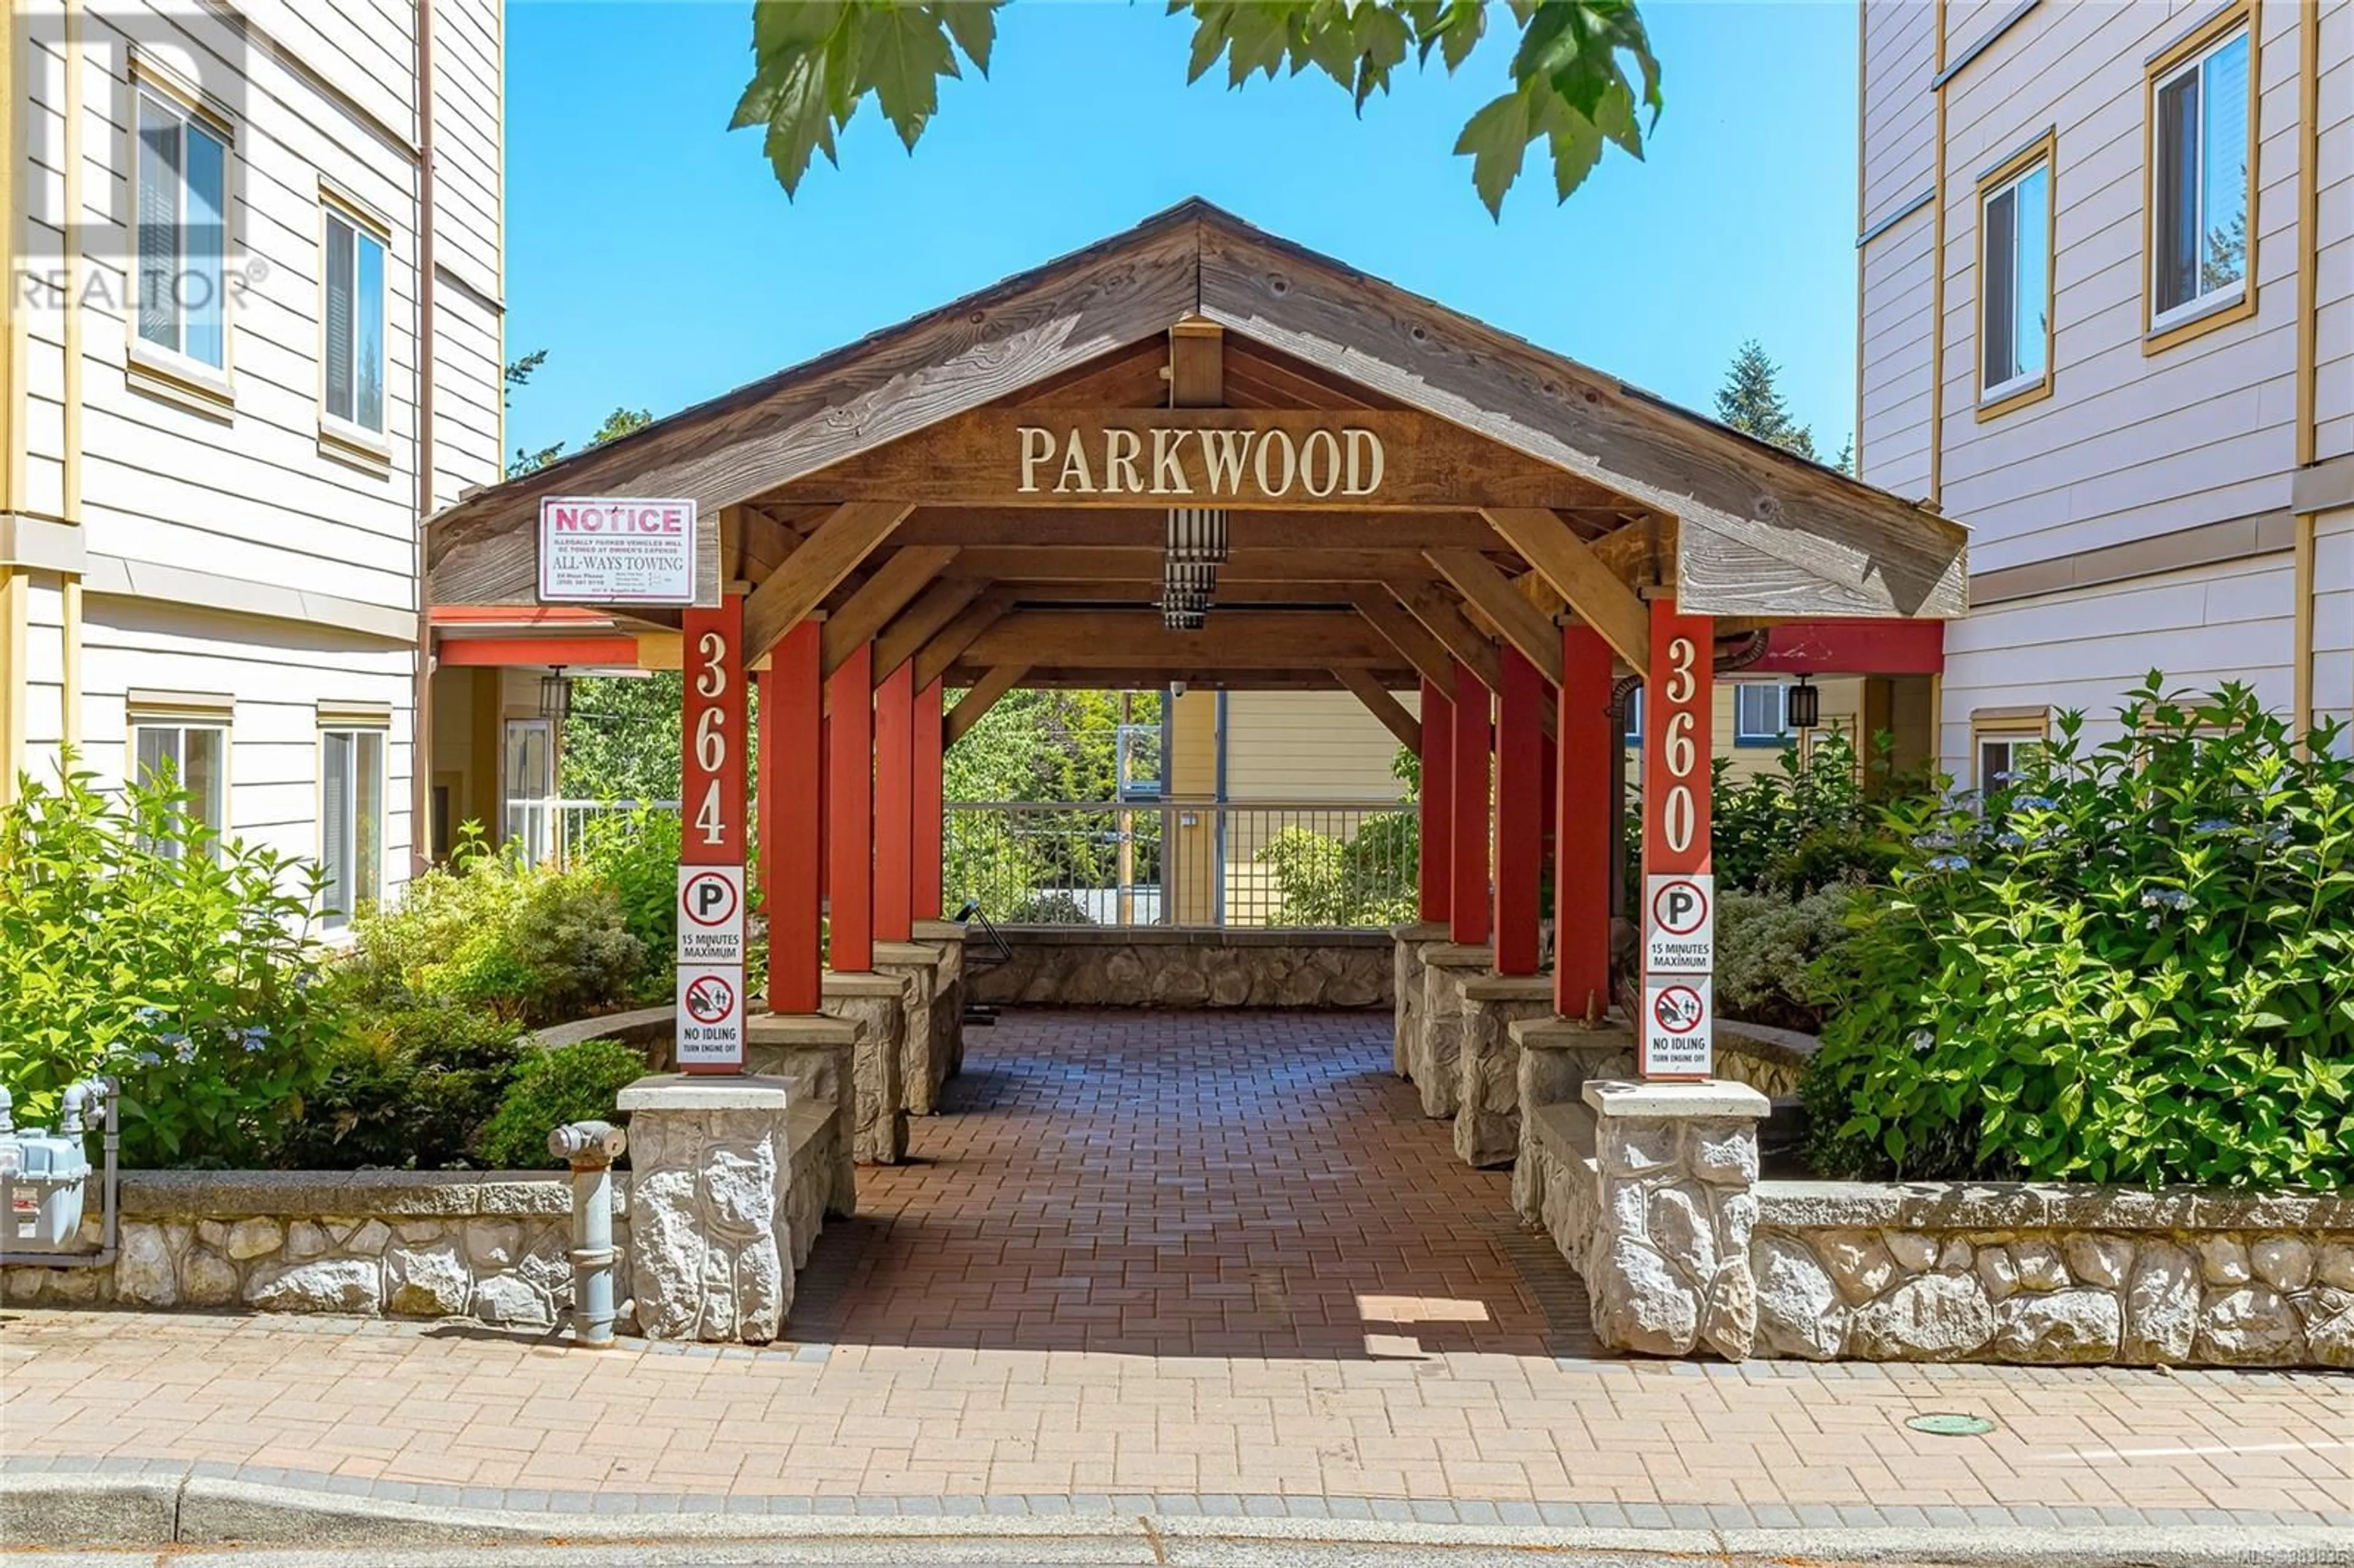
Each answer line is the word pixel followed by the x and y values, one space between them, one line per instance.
pixel 153 1510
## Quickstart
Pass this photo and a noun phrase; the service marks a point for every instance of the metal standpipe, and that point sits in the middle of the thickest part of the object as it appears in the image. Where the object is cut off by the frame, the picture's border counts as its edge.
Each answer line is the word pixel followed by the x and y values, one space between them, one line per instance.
pixel 591 1147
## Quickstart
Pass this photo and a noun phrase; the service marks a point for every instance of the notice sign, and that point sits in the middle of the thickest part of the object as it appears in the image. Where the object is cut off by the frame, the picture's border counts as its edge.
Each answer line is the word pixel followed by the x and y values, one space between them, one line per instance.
pixel 710 915
pixel 605 549
pixel 711 1016
pixel 1679 924
pixel 1679 1026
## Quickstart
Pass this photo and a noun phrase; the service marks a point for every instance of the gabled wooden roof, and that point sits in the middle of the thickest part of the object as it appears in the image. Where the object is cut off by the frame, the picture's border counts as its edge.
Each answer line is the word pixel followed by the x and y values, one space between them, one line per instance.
pixel 1759 532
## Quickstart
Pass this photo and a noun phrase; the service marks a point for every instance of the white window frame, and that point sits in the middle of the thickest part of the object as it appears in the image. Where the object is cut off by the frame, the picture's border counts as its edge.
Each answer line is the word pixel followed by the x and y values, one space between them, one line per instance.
pixel 2202 301
pixel 175 357
pixel 216 815
pixel 2013 731
pixel 1780 734
pixel 346 426
pixel 366 870
pixel 2038 160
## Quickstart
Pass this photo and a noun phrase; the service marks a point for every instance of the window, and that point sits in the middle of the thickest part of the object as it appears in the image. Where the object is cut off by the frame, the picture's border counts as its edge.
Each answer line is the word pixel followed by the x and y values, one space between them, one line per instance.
pixel 189 757
pixel 1760 713
pixel 2200 134
pixel 354 325
pixel 2002 740
pixel 351 822
pixel 1635 716
pixel 530 783
pixel 2015 228
pixel 182 199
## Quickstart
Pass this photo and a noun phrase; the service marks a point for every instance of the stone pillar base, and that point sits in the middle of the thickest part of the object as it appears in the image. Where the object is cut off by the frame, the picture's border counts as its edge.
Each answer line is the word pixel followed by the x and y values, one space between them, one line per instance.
pixel 947 937
pixel 1488 1100
pixel 1667 1267
pixel 711 1241
pixel 878 1121
pixel 1406 988
pixel 1557 1055
pixel 1437 1044
pixel 813 1054
pixel 923 1064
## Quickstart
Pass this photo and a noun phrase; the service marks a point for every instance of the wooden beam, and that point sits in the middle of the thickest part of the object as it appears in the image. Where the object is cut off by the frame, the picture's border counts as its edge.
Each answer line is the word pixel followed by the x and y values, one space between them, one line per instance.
pixel 847 537
pixel 1533 633
pixel 1136 640
pixel 978 699
pixel 1382 706
pixel 881 597
pixel 1147 528
pixel 1141 563
pixel 1440 616
pixel 947 645
pixel 1147 591
pixel 1593 590
pixel 1197 370
pixel 905 638
pixel 1351 461
pixel 1088 678
pixel 1403 632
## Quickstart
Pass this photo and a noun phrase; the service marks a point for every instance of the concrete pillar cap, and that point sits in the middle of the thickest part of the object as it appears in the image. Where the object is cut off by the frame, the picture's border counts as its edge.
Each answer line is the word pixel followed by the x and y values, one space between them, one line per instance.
pixel 1709 1097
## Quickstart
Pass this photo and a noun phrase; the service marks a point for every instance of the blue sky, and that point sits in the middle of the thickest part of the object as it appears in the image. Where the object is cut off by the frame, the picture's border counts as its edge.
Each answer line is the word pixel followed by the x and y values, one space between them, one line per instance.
pixel 653 257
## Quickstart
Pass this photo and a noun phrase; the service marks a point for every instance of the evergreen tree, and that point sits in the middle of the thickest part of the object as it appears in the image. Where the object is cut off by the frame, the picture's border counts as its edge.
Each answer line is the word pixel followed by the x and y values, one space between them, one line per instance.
pixel 1750 402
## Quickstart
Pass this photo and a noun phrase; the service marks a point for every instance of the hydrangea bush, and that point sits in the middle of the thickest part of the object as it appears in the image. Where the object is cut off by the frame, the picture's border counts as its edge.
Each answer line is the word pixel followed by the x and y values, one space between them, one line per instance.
pixel 135 942
pixel 2131 962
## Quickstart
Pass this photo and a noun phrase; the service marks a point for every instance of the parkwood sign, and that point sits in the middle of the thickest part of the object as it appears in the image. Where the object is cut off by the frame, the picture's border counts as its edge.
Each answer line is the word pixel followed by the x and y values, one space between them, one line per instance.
pixel 1320 463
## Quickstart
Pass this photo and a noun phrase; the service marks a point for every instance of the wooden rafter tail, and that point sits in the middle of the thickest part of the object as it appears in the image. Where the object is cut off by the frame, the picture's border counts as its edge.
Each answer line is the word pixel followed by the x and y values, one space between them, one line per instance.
pixel 850 533
pixel 879 598
pixel 930 614
pixel 949 644
pixel 977 699
pixel 1533 633
pixel 1378 701
pixel 1600 598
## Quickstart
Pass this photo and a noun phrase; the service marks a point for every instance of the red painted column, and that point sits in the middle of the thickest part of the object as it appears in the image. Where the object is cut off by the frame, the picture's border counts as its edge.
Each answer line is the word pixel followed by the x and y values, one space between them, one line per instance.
pixel 1466 921
pixel 1520 813
pixel 931 822
pixel 714 830
pixel 894 805
pixel 850 811
pixel 1436 819
pixel 792 834
pixel 1677 1030
pixel 1584 828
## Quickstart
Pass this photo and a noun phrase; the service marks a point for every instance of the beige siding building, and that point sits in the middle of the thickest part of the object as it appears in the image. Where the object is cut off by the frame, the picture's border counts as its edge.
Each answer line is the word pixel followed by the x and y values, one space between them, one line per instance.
pixel 215 410
pixel 2106 309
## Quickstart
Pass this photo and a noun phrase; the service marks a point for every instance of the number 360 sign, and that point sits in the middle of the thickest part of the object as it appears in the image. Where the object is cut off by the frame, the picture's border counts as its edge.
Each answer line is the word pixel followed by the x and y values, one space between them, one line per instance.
pixel 1678 1022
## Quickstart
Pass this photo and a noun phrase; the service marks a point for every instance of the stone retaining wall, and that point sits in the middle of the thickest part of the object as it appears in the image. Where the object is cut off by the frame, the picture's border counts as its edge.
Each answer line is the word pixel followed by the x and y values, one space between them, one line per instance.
pixel 1104 966
pixel 1927 1271
pixel 491 1246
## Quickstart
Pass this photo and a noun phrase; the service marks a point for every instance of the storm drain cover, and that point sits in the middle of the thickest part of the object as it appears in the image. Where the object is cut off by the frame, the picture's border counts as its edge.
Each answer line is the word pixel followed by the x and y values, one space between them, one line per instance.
pixel 1946 1423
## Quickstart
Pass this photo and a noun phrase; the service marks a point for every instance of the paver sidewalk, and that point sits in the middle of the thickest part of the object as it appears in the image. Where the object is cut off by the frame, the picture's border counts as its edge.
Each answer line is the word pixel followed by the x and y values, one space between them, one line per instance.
pixel 1209 1265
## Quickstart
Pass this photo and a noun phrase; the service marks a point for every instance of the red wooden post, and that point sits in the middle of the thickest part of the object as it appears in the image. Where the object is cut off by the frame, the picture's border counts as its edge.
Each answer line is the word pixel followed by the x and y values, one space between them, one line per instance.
pixel 1677 1028
pixel 1467 920
pixel 711 985
pixel 850 811
pixel 1520 813
pixel 793 706
pixel 931 828
pixel 1585 828
pixel 1436 821
pixel 894 805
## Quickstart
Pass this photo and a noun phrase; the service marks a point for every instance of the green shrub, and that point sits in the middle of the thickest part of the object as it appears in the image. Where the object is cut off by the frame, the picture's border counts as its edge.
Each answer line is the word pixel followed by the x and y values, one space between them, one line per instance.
pixel 1365 880
pixel 2135 963
pixel 553 1086
pixel 1050 909
pixel 529 943
pixel 1765 946
pixel 636 853
pixel 133 941
pixel 407 1090
pixel 1797 829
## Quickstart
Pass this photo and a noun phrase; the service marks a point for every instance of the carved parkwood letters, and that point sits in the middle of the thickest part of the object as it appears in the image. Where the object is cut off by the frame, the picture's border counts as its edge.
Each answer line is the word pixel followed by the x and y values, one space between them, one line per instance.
pixel 1270 464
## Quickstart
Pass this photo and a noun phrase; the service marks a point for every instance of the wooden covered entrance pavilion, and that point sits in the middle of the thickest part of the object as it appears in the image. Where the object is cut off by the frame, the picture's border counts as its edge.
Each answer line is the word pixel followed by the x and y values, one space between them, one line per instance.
pixel 1197 453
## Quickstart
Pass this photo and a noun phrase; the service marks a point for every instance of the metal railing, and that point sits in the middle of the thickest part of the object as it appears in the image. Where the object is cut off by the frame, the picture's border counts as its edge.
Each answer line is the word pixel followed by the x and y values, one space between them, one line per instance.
pixel 554 831
pixel 1301 863
pixel 1321 863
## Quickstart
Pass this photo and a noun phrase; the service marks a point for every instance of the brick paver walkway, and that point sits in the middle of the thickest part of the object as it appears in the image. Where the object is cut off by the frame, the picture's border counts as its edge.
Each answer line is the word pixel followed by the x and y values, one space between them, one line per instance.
pixel 1192 1262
